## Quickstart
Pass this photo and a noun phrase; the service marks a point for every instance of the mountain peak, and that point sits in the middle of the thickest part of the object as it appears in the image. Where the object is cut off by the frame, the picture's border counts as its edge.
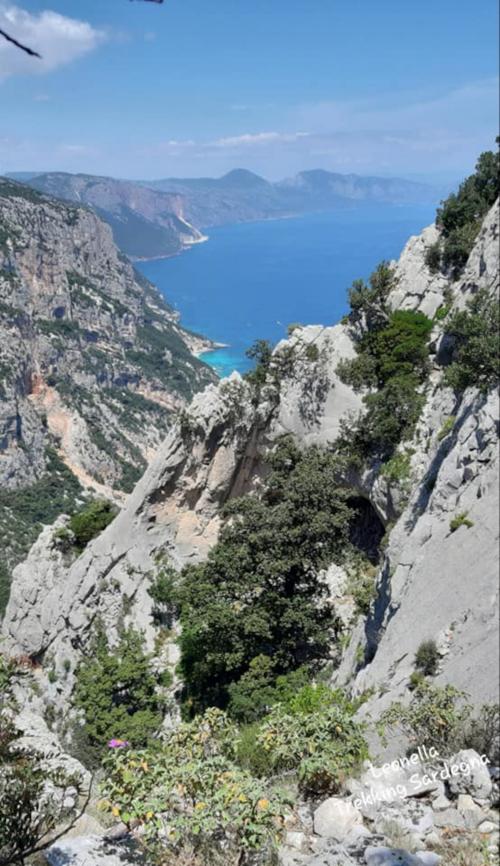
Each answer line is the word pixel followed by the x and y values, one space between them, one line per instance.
pixel 242 177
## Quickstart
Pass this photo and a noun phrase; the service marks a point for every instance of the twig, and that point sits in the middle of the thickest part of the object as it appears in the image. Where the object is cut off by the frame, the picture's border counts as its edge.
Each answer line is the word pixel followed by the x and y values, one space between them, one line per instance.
pixel 20 45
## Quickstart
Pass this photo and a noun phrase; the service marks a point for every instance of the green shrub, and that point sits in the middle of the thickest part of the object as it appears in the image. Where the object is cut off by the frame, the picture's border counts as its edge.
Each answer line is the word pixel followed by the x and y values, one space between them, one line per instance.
pixel 475 360
pixel 164 591
pixel 393 358
pixel 433 257
pixel 261 353
pixel 193 780
pixel 398 468
pixel 460 520
pixel 427 658
pixel 258 594
pixel 447 427
pixel 461 214
pixel 436 716
pixel 367 301
pixel 90 521
pixel 324 745
pixel 117 690
pixel 417 678
pixel 312 352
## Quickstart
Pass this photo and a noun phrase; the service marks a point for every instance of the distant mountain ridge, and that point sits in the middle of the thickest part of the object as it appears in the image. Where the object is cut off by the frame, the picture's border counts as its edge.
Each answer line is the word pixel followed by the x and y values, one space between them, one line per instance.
pixel 156 218
pixel 241 195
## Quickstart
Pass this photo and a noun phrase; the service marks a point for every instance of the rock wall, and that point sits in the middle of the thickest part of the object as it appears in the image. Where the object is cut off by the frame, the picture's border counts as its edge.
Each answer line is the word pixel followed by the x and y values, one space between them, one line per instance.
pixel 434 582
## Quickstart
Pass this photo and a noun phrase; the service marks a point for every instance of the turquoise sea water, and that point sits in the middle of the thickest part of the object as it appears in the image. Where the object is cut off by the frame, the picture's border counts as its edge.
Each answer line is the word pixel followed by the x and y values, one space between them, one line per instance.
pixel 251 280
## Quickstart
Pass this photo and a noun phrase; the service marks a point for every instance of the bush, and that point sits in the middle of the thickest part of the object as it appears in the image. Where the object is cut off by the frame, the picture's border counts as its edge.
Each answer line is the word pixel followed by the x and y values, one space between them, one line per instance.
pixel 312 352
pixel 164 592
pixel 433 257
pixel 436 716
pixel 191 785
pixel 393 358
pixel 447 427
pixel 367 301
pixel 475 360
pixel 90 522
pixel 427 658
pixel 461 214
pixel 258 596
pixel 460 520
pixel 117 691
pixel 322 743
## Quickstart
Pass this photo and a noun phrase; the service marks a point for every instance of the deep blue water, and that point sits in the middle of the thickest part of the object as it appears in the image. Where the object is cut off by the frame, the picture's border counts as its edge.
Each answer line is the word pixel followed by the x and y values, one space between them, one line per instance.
pixel 251 280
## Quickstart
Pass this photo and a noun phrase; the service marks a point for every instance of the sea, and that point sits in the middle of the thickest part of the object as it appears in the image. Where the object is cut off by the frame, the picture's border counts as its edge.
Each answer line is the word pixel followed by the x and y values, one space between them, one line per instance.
pixel 249 281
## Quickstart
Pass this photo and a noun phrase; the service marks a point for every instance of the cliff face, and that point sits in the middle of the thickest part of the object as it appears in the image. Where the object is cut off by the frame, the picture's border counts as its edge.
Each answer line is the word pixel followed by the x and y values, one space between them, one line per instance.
pixel 146 223
pixel 92 361
pixel 433 581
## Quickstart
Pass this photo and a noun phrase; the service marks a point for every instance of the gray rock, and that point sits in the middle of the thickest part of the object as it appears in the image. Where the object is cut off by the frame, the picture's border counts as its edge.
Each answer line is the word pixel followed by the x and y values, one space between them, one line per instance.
pixel 335 818
pixel 398 857
pixel 92 851
pixel 473 778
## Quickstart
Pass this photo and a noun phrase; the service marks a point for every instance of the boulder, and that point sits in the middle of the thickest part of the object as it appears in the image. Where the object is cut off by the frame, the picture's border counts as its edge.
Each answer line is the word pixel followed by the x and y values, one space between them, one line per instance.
pixel 335 818
pixel 474 777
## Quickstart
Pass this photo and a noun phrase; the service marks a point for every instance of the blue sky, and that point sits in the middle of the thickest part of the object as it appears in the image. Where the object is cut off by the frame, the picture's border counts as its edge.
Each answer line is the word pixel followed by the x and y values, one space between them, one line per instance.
pixel 133 89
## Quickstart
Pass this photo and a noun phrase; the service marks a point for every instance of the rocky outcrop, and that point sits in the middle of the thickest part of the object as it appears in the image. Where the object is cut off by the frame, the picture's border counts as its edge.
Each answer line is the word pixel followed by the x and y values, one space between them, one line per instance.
pixel 146 223
pixel 173 513
pixel 437 579
pixel 93 362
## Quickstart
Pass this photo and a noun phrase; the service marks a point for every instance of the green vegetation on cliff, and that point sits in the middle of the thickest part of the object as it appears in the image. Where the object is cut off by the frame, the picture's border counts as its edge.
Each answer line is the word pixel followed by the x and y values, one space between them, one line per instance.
pixel 258 602
pixel 460 216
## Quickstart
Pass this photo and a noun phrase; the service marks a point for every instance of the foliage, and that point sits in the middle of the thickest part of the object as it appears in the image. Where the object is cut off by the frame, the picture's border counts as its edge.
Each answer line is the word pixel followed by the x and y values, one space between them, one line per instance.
pixel 117 690
pixel 482 733
pixel 312 352
pixel 436 716
pixel 433 257
pixel 461 214
pixel 27 815
pixel 164 592
pixel 258 689
pixel 447 427
pixel 90 521
pixel 427 658
pixel 398 468
pixel 258 594
pixel 460 520
pixel 476 359
pixel 393 359
pixel 25 510
pixel 367 301
pixel 189 789
pixel 317 736
pixel 261 353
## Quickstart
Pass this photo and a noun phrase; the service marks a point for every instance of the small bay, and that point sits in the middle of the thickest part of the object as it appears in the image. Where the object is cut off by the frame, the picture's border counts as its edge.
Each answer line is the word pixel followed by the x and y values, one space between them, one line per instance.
pixel 250 280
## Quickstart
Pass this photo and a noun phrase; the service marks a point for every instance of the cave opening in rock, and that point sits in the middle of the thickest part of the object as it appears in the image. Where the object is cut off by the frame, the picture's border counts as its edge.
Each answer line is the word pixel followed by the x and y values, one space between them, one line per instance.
pixel 366 530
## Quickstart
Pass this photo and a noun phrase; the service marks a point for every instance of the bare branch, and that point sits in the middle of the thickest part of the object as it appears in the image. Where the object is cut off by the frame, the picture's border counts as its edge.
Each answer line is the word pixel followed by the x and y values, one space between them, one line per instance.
pixel 25 47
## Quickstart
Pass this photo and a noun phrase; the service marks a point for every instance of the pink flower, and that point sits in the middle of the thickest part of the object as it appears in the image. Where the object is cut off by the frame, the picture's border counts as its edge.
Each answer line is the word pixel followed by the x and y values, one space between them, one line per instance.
pixel 118 744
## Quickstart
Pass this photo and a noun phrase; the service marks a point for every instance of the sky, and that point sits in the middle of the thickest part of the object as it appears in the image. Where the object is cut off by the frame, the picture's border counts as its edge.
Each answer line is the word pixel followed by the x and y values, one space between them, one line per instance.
pixel 142 90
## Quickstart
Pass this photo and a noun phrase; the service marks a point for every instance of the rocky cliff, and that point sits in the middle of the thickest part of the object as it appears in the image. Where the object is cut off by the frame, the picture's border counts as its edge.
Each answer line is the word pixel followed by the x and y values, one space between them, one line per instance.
pixel 428 518
pixel 146 223
pixel 93 362
pixel 216 450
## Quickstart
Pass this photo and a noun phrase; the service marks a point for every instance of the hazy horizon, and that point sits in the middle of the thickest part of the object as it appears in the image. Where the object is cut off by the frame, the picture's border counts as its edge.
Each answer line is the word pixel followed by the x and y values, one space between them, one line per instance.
pixel 146 91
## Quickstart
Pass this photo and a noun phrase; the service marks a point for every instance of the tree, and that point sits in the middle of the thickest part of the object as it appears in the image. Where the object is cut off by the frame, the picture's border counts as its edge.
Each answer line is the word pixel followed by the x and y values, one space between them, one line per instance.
pixel 258 596
pixel 117 690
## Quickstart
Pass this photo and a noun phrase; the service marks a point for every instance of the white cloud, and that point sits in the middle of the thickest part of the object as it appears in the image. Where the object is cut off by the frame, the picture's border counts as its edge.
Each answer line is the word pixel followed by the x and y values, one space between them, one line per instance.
pixel 259 138
pixel 58 40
